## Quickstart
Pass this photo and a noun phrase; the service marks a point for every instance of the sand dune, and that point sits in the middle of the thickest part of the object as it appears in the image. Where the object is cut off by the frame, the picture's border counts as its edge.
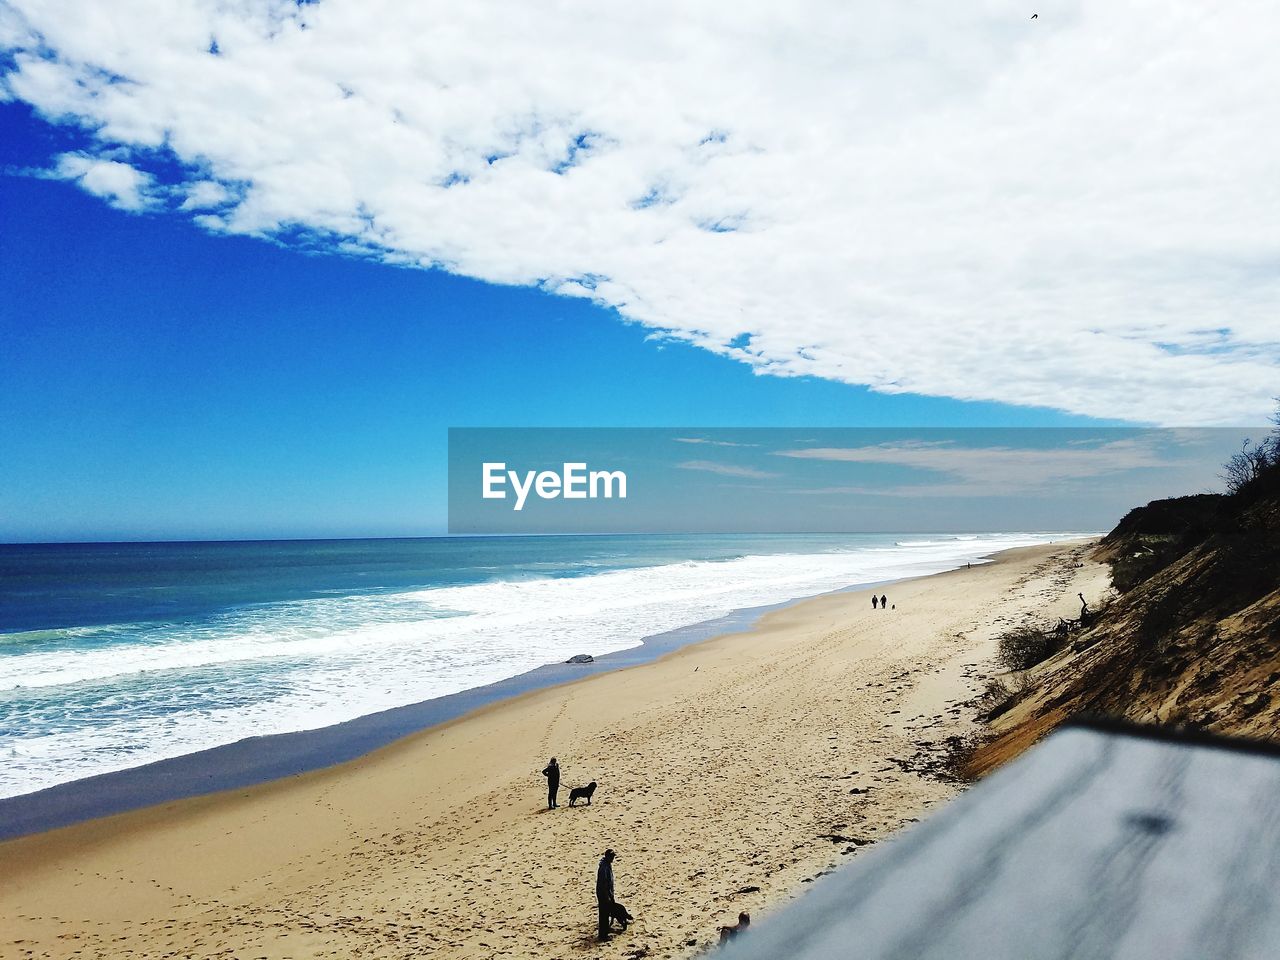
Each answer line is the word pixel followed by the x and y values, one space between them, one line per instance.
pixel 730 773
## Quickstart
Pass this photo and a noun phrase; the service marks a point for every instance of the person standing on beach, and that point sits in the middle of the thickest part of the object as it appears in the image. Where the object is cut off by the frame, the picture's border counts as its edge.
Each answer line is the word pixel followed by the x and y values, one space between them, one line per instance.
pixel 552 773
pixel 604 893
pixel 884 602
pixel 875 601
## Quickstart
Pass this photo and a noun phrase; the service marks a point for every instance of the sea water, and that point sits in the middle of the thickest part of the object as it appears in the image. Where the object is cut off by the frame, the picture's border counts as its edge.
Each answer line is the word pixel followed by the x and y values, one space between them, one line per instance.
pixel 116 655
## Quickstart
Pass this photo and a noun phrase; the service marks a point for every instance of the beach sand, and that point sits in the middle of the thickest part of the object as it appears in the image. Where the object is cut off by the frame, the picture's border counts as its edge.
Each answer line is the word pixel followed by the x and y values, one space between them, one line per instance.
pixel 730 773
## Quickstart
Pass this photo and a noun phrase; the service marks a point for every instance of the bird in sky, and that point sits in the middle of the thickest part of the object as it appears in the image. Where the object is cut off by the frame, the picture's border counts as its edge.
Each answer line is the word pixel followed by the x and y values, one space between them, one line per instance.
pixel 1035 16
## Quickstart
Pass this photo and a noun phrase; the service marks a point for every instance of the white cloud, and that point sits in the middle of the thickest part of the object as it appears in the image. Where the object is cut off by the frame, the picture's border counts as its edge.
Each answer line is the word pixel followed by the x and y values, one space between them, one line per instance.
pixel 990 470
pixel 118 183
pixel 938 198
pixel 714 443
pixel 205 195
pixel 725 469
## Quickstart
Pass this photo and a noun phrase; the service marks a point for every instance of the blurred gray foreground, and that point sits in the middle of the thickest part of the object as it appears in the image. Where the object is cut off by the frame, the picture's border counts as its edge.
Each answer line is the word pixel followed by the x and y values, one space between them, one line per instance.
pixel 1103 841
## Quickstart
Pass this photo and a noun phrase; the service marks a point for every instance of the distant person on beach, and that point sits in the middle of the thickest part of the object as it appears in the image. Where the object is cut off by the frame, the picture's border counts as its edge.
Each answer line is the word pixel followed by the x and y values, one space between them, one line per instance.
pixel 884 602
pixel 604 893
pixel 875 601
pixel 552 773
pixel 728 933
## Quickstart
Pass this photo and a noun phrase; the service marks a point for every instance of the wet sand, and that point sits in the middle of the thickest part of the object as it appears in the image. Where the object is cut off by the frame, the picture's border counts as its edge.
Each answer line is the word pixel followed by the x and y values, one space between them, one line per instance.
pixel 731 771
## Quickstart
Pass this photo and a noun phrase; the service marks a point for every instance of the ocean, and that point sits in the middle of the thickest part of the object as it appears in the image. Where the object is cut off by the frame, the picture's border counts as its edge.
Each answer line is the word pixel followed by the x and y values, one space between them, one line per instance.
pixel 115 655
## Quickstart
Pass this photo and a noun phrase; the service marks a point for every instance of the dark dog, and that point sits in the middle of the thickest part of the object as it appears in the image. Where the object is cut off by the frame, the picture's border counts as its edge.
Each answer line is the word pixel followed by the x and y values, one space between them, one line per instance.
pixel 729 933
pixel 582 793
pixel 618 914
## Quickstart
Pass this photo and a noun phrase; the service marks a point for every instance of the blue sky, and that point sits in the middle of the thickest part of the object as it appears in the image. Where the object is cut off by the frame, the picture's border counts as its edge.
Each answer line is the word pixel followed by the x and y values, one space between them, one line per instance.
pixel 256 260
pixel 158 381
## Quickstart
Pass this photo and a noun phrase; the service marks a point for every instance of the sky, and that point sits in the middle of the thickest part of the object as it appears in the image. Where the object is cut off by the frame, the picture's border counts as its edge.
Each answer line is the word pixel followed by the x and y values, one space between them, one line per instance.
pixel 256 259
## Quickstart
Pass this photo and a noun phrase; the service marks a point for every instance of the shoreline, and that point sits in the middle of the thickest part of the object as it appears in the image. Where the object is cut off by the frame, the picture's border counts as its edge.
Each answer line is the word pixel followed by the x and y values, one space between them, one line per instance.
pixel 254 761
pixel 733 771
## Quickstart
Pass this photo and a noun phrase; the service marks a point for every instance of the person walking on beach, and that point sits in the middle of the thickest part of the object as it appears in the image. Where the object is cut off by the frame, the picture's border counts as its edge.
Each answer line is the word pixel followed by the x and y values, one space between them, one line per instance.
pixel 604 893
pixel 552 773
pixel 875 601
pixel 884 602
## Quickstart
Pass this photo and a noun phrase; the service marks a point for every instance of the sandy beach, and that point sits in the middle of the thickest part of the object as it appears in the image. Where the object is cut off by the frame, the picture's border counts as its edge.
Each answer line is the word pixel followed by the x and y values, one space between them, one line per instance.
pixel 730 773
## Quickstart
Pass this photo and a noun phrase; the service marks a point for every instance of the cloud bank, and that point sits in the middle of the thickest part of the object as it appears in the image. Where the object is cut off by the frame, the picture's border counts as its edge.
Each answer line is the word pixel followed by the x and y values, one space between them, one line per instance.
pixel 949 199
pixel 995 470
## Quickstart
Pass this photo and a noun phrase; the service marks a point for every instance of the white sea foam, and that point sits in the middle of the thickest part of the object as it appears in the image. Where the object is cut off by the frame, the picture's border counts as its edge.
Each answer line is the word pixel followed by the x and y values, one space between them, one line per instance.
pixel 172 689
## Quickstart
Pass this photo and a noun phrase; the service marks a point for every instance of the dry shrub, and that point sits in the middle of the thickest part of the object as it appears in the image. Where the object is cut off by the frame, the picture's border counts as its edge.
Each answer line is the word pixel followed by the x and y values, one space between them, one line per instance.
pixel 1023 647
pixel 995 693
